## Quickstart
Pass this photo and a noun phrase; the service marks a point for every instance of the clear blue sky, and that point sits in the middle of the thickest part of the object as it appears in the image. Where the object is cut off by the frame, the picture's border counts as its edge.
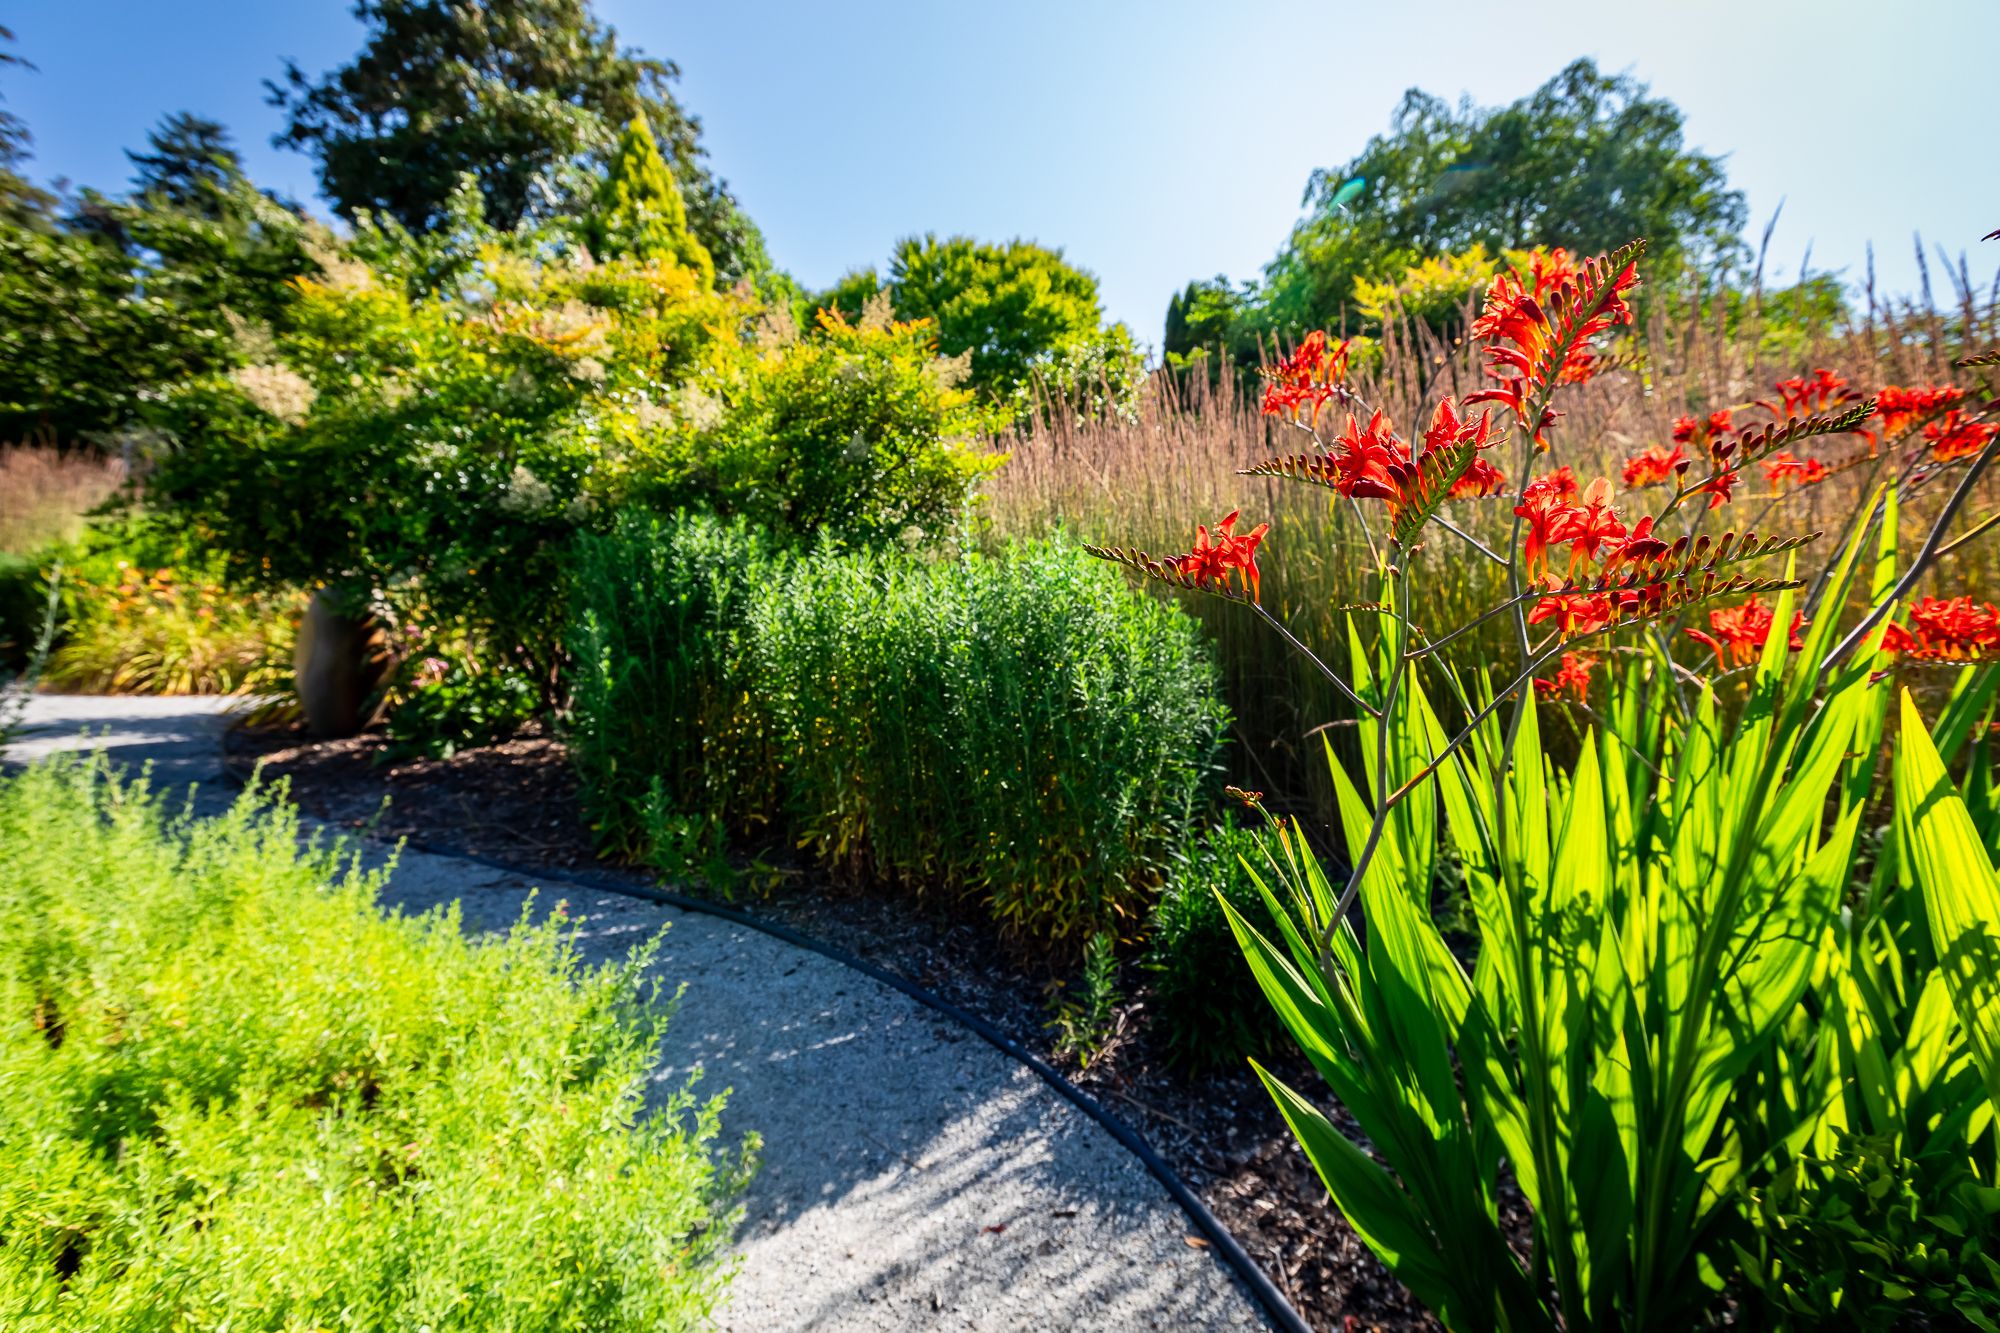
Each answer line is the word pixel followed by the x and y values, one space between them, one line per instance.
pixel 1153 142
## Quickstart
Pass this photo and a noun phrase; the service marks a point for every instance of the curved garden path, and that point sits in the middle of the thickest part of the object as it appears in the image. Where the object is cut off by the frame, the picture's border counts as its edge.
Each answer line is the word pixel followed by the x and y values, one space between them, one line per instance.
pixel 913 1177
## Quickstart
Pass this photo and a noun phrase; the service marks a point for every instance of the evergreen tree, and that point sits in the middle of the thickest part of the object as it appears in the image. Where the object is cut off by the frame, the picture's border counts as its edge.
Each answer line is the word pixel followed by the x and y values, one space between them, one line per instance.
pixel 192 165
pixel 1174 342
pixel 639 207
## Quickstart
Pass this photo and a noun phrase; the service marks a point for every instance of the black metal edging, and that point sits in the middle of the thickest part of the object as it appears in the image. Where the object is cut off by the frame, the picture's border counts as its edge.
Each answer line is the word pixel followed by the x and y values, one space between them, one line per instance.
pixel 1280 1310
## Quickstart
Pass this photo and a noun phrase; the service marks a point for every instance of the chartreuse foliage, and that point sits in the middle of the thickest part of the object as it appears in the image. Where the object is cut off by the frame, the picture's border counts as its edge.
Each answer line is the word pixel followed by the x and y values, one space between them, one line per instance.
pixel 1669 1010
pixel 239 1095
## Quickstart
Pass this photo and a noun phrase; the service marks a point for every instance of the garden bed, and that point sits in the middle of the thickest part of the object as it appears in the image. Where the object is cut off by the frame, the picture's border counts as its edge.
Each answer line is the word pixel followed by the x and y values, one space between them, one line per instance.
pixel 516 802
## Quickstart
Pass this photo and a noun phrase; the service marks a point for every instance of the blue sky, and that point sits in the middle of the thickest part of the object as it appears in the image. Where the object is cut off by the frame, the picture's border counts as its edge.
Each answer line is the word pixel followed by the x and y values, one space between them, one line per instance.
pixel 1153 142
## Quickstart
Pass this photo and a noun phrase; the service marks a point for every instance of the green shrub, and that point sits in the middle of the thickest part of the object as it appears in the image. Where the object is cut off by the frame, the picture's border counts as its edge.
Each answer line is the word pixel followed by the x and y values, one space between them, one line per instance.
pixel 1207 1002
pixel 856 430
pixel 240 1096
pixel 659 698
pixel 23 593
pixel 444 448
pixel 1007 725
pixel 465 708
pixel 1868 1239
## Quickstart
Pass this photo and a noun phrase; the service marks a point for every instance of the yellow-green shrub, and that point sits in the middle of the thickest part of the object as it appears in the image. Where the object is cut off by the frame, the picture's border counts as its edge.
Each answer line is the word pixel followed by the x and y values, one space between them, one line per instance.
pixel 238 1095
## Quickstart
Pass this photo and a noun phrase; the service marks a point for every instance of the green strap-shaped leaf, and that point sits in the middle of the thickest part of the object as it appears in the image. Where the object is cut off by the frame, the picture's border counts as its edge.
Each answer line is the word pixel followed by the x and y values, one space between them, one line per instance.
pixel 1961 892
pixel 1381 1214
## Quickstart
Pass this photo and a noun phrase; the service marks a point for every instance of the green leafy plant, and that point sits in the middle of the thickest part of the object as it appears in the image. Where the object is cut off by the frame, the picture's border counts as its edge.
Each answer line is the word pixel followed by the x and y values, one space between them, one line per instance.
pixel 856 430
pixel 1869 1239
pixel 238 1092
pixel 1084 1015
pixel 664 718
pixel 461 710
pixel 1207 1003
pixel 1003 727
pixel 443 448
pixel 998 726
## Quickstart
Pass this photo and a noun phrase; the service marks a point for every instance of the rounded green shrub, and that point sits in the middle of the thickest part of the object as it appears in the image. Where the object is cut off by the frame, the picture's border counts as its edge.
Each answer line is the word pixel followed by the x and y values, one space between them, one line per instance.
pixel 239 1096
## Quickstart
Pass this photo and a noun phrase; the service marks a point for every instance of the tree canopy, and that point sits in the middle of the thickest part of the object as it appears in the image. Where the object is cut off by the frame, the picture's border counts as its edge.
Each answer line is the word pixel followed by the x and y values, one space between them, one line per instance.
pixel 1588 161
pixel 1007 306
pixel 190 163
pixel 525 96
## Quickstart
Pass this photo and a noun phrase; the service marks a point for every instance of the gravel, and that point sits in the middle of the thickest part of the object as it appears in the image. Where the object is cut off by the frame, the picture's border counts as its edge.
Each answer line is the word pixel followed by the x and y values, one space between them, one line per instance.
pixel 912 1176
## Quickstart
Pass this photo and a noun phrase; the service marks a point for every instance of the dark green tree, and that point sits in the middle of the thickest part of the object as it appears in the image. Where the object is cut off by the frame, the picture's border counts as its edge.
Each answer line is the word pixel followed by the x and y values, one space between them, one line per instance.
pixel 1174 339
pixel 1588 161
pixel 527 96
pixel 104 300
pixel 849 296
pixel 21 203
pixel 191 164
pixel 1008 305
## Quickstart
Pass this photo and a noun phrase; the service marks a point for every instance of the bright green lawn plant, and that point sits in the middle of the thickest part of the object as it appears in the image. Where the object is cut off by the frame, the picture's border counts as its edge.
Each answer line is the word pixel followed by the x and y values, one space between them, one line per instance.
pixel 240 1095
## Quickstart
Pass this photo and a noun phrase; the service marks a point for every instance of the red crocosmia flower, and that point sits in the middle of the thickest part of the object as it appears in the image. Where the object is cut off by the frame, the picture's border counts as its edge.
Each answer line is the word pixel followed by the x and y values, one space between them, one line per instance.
pixel 1542 510
pixel 1482 478
pixel 1590 525
pixel 1573 676
pixel 1516 313
pixel 1639 547
pixel 1719 423
pixel 1896 639
pixel 1955 435
pixel 1574 613
pixel 1806 395
pixel 1309 377
pixel 1550 269
pixel 1560 483
pixel 1655 465
pixel 1362 459
pixel 1685 429
pixel 1954 628
pixel 1448 429
pixel 1220 552
pixel 1718 490
pixel 1898 407
pixel 1784 466
pixel 1740 632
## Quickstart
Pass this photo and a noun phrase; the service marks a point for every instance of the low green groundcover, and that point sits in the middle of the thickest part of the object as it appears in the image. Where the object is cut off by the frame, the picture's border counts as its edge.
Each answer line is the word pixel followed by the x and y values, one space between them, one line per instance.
pixel 235 1094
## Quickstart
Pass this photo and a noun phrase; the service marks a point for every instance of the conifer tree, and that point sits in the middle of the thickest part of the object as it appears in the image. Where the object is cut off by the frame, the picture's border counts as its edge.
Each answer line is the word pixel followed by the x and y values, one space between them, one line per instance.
pixel 639 208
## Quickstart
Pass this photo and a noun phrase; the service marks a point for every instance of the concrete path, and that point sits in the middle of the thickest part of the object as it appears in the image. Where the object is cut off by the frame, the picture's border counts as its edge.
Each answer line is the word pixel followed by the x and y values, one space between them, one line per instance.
pixel 913 1177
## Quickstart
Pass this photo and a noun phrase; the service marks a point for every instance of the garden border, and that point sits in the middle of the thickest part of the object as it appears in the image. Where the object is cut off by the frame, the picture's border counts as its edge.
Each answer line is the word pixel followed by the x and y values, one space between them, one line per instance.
pixel 1273 1301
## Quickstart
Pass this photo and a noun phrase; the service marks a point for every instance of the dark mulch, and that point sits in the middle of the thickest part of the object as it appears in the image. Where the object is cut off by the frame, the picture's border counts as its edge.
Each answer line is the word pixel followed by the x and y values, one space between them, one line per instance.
pixel 516 802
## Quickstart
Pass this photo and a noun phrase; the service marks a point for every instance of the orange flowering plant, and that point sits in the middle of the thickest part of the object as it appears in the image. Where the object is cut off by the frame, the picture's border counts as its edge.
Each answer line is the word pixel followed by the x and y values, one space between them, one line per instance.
pixel 1629 1049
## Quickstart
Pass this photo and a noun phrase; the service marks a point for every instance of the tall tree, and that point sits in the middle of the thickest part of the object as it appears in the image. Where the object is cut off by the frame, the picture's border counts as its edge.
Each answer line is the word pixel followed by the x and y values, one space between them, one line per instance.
pixel 1588 161
pixel 526 96
pixel 191 163
pixel 639 207
pixel 1007 305
pixel 20 201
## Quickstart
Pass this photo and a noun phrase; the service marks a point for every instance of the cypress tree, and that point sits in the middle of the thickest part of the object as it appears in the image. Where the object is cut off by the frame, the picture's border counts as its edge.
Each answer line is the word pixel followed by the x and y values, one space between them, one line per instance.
pixel 639 207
